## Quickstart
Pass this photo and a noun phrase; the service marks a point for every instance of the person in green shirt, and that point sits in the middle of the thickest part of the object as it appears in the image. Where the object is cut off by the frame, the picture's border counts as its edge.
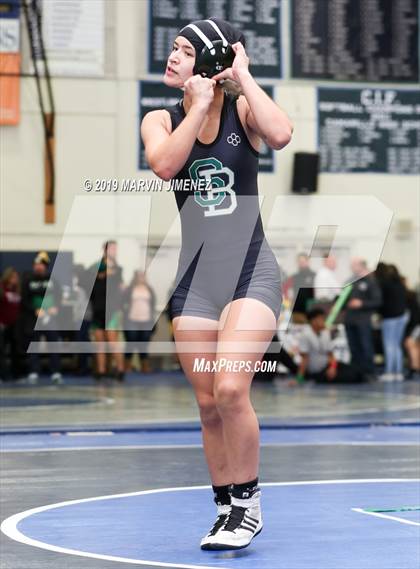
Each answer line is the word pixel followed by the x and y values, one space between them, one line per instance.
pixel 41 300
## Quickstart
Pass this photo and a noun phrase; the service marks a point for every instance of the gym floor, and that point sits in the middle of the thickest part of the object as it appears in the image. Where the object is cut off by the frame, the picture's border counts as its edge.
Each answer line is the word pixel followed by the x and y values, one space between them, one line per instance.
pixel 96 476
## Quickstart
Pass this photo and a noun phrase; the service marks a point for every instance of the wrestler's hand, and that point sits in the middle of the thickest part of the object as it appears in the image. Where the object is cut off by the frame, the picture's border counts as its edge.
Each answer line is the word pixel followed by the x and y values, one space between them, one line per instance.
pixel 201 90
pixel 239 67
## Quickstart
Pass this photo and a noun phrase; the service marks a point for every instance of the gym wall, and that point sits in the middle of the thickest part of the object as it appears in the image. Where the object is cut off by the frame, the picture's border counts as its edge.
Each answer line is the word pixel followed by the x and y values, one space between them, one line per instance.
pixel 97 137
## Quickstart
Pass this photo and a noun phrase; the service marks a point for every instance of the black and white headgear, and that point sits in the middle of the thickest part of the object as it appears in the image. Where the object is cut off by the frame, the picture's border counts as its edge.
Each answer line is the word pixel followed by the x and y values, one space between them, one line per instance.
pixel 212 40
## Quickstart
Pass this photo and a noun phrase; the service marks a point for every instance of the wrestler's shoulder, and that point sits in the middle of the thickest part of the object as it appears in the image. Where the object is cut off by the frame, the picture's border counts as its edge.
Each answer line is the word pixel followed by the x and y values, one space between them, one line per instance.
pixel 158 117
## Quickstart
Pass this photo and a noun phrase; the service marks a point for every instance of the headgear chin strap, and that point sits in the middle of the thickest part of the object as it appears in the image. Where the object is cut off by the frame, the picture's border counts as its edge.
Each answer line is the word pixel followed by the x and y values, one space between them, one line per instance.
pixel 215 56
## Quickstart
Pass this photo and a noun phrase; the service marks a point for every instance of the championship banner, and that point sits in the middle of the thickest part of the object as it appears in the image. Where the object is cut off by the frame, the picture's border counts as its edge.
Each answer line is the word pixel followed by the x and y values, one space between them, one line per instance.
pixel 9 62
pixel 259 20
pixel 74 37
pixel 364 130
pixel 355 40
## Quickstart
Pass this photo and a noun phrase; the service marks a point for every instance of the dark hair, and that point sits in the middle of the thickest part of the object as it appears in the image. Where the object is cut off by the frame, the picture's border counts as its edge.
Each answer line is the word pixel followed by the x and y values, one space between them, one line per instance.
pixel 387 272
pixel 314 313
pixel 381 271
pixel 394 273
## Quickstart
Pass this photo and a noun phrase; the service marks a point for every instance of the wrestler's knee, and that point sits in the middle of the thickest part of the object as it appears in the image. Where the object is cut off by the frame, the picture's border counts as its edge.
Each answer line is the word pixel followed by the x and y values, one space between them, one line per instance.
pixel 229 395
pixel 209 414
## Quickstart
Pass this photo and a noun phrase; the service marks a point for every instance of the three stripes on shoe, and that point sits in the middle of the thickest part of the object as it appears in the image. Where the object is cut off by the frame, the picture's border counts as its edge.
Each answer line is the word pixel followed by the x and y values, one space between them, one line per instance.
pixel 239 519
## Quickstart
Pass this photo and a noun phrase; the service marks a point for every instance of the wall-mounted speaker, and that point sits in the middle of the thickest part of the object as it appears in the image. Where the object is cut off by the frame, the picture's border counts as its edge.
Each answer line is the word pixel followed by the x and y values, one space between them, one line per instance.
pixel 305 172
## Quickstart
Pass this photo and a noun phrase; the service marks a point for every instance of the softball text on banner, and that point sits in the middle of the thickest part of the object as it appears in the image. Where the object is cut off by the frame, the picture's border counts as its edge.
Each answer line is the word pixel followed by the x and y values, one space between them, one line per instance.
pixel 369 130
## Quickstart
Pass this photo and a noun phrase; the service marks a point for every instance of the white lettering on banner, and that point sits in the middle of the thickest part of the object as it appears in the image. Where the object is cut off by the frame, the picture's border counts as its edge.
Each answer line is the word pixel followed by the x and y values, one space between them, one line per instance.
pixel 9 36
pixel 377 97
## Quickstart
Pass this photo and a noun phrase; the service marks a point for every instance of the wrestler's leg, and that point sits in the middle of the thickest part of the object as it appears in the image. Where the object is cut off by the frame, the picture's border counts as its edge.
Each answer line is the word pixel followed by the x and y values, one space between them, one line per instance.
pixel 232 388
pixel 203 332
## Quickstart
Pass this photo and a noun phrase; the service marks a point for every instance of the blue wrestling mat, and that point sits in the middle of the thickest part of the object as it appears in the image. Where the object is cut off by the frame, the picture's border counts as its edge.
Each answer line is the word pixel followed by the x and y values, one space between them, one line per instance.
pixel 324 524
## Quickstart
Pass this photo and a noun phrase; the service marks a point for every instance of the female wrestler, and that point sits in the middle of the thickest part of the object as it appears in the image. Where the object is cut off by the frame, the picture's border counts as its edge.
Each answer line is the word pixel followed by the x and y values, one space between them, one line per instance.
pixel 227 296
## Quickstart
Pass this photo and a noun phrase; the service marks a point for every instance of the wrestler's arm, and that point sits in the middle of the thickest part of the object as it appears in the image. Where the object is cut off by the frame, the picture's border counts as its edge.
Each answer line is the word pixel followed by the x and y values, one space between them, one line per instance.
pixel 263 116
pixel 167 151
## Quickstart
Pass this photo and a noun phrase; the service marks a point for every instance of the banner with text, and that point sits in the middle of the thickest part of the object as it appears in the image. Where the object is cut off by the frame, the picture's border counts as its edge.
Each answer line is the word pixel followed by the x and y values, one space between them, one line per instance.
pixel 9 62
pixel 369 130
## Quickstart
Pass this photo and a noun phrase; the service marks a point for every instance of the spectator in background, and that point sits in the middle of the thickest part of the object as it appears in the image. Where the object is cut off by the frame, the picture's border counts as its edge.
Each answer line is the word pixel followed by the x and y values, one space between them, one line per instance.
pixel 394 320
pixel 412 332
pixel 327 284
pixel 365 298
pixel 41 301
pixel 299 288
pixel 106 301
pixel 82 315
pixel 316 350
pixel 10 338
pixel 139 304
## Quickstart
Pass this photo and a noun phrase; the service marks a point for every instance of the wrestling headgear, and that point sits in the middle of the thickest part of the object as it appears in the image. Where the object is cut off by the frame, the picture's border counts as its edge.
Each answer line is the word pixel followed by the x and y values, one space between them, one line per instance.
pixel 212 40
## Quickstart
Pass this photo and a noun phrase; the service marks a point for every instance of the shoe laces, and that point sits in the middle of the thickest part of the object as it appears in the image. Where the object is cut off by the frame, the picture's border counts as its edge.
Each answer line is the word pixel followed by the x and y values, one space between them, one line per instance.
pixel 218 524
pixel 235 519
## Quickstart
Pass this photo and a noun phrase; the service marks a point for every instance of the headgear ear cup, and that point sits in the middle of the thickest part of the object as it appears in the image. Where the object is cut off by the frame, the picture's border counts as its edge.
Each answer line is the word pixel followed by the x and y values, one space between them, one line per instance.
pixel 210 62
pixel 216 55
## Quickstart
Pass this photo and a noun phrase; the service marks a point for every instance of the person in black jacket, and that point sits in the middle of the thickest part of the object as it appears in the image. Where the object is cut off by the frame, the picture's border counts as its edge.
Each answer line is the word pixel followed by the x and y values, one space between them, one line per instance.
pixel 41 301
pixel 394 320
pixel 365 298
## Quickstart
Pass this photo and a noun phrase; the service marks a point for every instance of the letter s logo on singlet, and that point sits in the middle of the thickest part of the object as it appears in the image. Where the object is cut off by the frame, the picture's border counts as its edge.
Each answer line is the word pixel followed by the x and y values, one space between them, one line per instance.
pixel 220 180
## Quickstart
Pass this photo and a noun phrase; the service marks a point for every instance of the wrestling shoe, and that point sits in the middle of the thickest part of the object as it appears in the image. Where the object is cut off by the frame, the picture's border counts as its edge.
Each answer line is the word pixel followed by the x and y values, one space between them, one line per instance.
pixel 32 378
pixel 222 515
pixel 244 522
pixel 57 378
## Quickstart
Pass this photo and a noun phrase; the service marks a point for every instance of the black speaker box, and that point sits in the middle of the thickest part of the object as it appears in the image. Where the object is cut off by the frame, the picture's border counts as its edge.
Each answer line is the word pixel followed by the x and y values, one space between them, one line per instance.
pixel 305 173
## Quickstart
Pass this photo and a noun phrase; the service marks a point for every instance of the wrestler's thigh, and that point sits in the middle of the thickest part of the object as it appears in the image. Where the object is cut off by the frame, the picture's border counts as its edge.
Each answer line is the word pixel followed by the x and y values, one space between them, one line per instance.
pixel 196 338
pixel 247 330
